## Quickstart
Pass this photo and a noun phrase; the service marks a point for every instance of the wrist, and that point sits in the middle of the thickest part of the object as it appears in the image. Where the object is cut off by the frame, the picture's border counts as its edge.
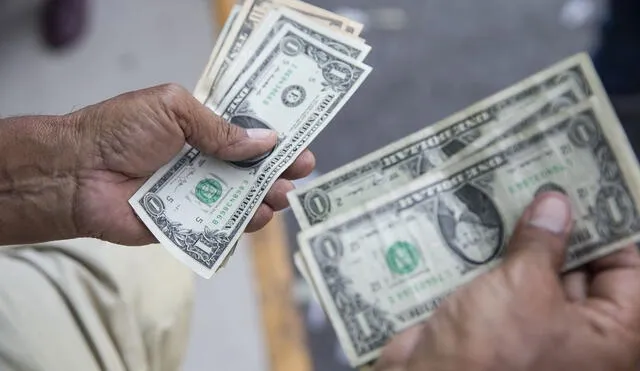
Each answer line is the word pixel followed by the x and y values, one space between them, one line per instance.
pixel 38 163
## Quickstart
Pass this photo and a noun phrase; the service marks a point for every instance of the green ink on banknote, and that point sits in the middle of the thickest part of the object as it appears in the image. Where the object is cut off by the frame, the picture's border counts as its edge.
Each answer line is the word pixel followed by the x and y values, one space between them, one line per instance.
pixel 208 191
pixel 402 258
pixel 278 86
pixel 534 180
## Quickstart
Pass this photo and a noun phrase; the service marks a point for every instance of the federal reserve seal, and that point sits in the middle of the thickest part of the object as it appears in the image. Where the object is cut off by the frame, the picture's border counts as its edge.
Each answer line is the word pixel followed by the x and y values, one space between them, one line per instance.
pixel 293 96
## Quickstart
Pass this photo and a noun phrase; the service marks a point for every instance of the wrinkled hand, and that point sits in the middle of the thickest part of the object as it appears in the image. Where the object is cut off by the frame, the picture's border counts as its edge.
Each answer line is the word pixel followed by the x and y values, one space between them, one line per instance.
pixel 524 316
pixel 127 138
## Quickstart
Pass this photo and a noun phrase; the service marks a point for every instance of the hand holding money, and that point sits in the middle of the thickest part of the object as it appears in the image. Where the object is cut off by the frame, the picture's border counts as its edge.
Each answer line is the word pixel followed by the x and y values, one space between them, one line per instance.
pixel 134 134
pixel 70 176
pixel 521 316
pixel 282 65
pixel 388 237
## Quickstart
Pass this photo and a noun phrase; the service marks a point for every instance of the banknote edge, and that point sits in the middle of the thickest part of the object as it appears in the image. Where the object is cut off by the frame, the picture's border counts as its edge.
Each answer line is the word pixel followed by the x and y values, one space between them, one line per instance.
pixel 234 73
pixel 295 195
pixel 321 289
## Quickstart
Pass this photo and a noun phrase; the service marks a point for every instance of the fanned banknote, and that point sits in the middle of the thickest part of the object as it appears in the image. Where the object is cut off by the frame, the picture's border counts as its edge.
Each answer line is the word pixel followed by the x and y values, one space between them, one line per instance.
pixel 268 28
pixel 247 19
pixel 459 186
pixel 405 160
pixel 198 206
pixel 387 263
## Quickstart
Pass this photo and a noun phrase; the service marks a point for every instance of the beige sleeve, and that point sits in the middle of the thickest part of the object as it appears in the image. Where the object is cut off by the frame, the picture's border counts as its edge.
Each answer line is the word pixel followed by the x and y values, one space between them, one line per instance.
pixel 88 305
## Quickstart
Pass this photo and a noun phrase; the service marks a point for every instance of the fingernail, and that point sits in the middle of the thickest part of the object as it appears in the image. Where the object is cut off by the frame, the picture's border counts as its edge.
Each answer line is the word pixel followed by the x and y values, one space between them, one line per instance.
pixel 551 213
pixel 259 133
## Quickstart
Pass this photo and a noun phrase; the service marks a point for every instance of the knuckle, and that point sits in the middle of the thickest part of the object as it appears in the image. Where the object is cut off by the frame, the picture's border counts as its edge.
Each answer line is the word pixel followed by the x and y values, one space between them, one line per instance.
pixel 218 137
pixel 227 133
pixel 175 103
pixel 231 131
pixel 172 90
pixel 172 94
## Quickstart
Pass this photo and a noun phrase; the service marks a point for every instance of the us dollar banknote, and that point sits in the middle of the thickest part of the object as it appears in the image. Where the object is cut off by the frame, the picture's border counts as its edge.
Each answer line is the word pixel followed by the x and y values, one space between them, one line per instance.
pixel 388 263
pixel 554 101
pixel 198 206
pixel 399 163
pixel 249 17
pixel 265 32
pixel 323 16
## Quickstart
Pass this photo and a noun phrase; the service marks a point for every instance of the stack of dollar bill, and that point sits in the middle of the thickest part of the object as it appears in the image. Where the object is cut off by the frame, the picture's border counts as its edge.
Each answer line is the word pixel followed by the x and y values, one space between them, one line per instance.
pixel 387 237
pixel 279 64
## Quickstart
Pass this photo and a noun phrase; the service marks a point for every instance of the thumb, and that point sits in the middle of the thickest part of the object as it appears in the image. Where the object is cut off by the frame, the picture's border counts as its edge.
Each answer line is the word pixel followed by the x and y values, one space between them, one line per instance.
pixel 216 137
pixel 541 235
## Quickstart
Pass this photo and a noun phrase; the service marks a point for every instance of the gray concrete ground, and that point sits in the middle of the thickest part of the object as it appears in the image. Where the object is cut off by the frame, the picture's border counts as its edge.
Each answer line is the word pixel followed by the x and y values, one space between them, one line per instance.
pixel 445 55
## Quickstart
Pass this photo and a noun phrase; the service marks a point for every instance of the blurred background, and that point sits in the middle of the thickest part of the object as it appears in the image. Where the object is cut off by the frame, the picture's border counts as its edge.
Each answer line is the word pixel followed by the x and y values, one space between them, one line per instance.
pixel 430 58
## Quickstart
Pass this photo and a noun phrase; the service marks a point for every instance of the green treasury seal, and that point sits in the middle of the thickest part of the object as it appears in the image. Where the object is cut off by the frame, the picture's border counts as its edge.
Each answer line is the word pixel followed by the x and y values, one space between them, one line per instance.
pixel 208 191
pixel 402 258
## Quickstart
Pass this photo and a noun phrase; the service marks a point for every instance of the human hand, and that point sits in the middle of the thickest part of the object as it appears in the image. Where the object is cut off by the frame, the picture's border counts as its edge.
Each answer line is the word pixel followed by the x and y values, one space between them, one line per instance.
pixel 524 315
pixel 127 138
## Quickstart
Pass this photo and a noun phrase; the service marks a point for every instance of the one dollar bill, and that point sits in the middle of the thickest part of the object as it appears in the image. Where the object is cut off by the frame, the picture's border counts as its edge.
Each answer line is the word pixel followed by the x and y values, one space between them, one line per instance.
pixel 270 26
pixel 554 101
pixel 247 20
pixel 407 159
pixel 198 206
pixel 388 263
